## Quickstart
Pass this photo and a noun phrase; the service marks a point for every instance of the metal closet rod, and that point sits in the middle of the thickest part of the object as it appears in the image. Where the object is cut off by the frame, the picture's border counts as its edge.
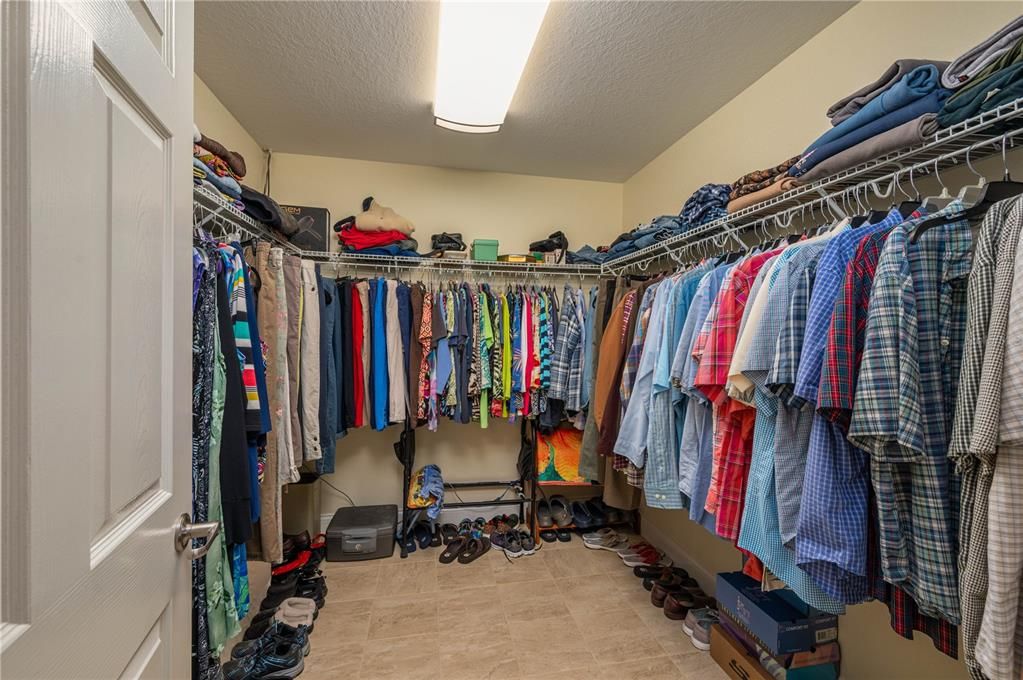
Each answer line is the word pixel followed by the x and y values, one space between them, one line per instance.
pixel 681 253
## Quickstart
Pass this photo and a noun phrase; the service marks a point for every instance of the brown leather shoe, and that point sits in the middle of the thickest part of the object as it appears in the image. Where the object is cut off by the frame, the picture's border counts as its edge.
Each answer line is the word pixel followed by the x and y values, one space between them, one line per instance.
pixel 678 604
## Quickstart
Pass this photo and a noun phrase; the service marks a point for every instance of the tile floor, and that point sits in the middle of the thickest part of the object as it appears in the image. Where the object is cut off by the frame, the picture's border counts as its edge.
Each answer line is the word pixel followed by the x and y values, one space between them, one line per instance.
pixel 566 612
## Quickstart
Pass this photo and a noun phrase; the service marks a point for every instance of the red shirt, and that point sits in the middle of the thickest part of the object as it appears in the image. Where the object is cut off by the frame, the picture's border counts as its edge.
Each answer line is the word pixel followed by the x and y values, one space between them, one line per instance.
pixel 360 397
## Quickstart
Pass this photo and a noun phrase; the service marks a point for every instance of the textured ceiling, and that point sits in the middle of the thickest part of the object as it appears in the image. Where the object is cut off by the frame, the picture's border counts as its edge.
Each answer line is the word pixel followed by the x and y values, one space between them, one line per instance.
pixel 608 86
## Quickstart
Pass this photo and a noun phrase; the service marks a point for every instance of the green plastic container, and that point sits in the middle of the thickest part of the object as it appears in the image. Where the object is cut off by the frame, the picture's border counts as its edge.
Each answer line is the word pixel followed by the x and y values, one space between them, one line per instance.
pixel 484 250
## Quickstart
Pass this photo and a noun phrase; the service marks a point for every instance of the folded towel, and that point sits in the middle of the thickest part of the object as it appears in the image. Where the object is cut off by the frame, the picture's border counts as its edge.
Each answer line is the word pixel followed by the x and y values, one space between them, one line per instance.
pixel 777 189
pixel 847 106
pixel 760 179
pixel 911 133
pixel 233 158
pixel 966 67
pixel 227 185
pixel 915 85
pixel 999 88
pixel 932 103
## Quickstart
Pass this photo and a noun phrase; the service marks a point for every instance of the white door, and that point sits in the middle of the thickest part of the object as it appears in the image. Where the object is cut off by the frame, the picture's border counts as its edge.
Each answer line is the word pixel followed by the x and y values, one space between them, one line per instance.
pixel 95 267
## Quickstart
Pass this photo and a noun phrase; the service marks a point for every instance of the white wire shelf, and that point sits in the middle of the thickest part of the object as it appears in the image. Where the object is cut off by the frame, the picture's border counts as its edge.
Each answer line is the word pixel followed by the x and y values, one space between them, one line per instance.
pixel 212 209
pixel 978 137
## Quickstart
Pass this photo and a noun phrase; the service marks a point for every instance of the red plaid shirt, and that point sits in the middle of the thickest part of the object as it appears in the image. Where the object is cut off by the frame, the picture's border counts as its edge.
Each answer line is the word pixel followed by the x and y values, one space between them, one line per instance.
pixel 733 426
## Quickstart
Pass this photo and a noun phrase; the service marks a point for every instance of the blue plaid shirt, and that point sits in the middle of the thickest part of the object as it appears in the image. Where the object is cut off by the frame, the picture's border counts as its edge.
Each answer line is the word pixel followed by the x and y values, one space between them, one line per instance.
pixel 830 271
pixel 904 402
pixel 759 532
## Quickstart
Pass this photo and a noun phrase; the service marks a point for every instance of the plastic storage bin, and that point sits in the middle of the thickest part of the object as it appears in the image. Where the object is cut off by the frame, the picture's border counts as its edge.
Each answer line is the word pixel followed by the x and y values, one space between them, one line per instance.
pixel 484 250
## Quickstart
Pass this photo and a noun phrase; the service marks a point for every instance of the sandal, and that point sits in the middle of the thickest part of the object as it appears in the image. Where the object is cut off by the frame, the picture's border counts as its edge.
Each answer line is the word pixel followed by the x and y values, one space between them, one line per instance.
pixel 448 532
pixel 564 536
pixel 455 545
pixel 421 533
pixel 549 536
pixel 561 512
pixel 474 549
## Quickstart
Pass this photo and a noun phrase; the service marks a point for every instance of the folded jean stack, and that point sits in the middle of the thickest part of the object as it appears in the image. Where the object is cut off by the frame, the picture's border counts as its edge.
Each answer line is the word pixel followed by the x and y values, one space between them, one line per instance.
pixel 707 204
pixel 377 230
pixel 217 169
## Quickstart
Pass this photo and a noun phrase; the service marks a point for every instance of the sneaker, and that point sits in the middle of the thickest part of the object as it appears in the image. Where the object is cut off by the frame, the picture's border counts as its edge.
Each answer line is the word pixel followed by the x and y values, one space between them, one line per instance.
pixel 277 632
pixel 279 661
pixel 512 544
pixel 611 541
pixel 527 543
pixel 697 626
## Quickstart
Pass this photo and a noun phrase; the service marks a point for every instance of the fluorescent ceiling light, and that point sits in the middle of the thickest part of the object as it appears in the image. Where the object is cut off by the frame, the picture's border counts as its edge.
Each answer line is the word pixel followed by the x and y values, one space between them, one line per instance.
pixel 482 49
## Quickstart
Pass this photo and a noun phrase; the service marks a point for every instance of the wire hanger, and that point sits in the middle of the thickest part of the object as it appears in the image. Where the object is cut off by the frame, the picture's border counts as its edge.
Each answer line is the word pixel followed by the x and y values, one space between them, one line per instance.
pixel 935 203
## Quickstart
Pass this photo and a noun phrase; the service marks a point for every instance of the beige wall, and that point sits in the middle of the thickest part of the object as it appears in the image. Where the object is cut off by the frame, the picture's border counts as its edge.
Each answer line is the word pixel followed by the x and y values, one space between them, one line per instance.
pixel 216 122
pixel 515 210
pixel 773 119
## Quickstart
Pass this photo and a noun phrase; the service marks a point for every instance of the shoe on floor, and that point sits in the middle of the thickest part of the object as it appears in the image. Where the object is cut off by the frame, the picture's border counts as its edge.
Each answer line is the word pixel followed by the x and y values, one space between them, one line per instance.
pixel 277 632
pixel 280 661
pixel 611 541
pixel 549 536
pixel 697 626
pixel 564 535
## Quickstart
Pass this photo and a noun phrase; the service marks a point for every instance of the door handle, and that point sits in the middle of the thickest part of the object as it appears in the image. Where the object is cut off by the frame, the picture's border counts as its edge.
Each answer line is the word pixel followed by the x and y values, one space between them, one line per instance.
pixel 185 531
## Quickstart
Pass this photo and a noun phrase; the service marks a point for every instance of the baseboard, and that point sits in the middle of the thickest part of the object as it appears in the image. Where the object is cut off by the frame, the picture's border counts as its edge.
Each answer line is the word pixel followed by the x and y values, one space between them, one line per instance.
pixel 679 556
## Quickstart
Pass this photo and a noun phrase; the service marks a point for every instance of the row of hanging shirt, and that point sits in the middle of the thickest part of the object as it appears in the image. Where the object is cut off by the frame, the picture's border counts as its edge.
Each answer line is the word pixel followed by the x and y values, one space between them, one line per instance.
pixel 800 401
pixel 466 351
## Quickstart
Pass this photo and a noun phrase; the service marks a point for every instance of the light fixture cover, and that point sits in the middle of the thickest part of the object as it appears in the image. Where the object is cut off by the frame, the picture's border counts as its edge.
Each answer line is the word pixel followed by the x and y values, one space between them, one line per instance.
pixel 481 52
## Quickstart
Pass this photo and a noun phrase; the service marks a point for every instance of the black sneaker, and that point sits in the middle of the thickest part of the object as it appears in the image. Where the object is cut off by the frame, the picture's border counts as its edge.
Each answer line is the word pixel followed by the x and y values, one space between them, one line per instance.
pixel 277 632
pixel 280 661
pixel 512 544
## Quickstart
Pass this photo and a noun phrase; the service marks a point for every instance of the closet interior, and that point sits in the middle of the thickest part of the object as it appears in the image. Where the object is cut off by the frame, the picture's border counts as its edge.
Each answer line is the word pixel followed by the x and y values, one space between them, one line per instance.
pixel 489 432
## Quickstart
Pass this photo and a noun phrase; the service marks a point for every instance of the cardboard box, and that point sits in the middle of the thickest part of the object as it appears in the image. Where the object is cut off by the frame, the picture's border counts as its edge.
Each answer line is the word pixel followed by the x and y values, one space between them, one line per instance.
pixel 822 663
pixel 770 619
pixel 735 661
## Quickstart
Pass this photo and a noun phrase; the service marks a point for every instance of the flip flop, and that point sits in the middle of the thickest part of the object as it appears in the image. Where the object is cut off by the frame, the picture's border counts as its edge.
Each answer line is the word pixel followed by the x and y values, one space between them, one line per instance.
pixel 452 549
pixel 448 532
pixel 435 539
pixel 564 536
pixel 474 549
pixel 422 535
pixel 549 536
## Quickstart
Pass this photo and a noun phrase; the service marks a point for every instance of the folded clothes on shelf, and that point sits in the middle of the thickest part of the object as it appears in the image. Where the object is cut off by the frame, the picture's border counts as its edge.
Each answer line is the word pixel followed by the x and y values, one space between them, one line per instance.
pixel 225 185
pixel 915 85
pixel 932 103
pixel 975 60
pixel 997 89
pixel 773 190
pixel 586 255
pixel 760 179
pixel 910 133
pixel 264 209
pixel 849 105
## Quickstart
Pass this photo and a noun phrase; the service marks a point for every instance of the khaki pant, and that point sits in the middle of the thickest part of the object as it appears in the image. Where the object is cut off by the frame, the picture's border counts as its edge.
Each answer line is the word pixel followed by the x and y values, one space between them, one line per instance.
pixel 309 384
pixel 266 543
pixel 293 295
